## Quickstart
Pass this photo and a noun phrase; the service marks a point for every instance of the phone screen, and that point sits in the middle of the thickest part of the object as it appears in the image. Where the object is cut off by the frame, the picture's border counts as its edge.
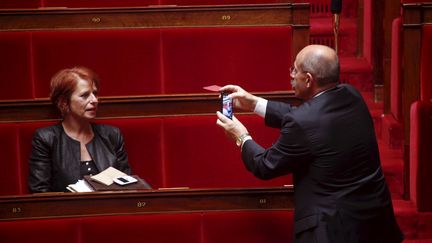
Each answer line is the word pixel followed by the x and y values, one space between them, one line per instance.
pixel 227 105
pixel 122 180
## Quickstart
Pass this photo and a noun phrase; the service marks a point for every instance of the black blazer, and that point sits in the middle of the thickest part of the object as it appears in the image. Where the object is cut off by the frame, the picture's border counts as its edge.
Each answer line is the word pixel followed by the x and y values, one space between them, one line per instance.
pixel 55 157
pixel 329 145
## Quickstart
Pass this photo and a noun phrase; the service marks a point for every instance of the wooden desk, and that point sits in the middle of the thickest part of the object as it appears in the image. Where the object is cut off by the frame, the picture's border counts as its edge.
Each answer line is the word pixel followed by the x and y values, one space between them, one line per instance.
pixel 132 106
pixel 60 205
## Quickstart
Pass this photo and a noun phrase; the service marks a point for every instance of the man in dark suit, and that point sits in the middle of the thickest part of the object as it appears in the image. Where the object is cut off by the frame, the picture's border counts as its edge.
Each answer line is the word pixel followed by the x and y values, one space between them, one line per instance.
pixel 328 143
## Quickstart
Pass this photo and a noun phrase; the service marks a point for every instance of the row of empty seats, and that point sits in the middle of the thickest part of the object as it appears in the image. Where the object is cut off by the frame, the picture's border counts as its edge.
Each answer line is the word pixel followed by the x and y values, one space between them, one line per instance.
pixel 148 61
pixel 206 227
pixel 419 116
pixel 421 130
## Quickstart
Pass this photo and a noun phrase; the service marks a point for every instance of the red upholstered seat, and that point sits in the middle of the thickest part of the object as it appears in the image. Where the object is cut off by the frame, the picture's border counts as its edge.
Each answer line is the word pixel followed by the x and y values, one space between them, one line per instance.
pixel 15 68
pixel 256 58
pixel 20 4
pixel 392 129
pixel 15 152
pixel 421 131
pixel 204 227
pixel 47 231
pixel 250 227
pixel 396 70
pixel 127 61
pixel 148 61
pixel 199 155
pixel 26 131
pixel 9 166
pixel 181 228
pixel 421 155
pixel 143 140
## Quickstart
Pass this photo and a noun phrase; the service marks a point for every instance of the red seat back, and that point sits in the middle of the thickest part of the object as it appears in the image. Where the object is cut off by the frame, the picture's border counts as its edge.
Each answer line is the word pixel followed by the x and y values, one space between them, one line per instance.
pixel 127 61
pixel 199 155
pixel 143 141
pixel 15 68
pixel 396 70
pixel 251 227
pixel 9 166
pixel 421 155
pixel 256 58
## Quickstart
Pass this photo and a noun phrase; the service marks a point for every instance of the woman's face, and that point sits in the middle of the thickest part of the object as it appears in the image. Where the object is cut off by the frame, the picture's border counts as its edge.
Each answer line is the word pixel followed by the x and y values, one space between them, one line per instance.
pixel 83 101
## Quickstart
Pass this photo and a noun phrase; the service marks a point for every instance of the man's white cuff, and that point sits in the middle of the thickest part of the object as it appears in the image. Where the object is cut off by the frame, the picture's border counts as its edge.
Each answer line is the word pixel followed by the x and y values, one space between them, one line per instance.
pixel 261 107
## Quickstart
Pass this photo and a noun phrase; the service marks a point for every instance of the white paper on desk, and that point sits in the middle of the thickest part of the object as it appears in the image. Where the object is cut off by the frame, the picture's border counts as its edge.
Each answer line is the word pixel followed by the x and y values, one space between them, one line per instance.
pixel 80 186
pixel 107 176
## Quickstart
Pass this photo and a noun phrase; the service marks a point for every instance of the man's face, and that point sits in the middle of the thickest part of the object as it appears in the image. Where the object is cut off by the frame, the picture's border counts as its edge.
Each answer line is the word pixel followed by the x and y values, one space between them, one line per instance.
pixel 299 80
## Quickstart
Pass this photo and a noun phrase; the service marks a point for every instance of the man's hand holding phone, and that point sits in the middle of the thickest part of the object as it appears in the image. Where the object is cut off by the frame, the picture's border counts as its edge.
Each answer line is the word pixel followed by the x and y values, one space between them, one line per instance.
pixel 234 96
pixel 241 98
pixel 233 127
pixel 226 105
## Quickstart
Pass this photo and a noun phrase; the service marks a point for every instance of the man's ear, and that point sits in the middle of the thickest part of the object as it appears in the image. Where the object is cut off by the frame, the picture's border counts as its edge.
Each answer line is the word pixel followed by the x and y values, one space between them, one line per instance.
pixel 308 80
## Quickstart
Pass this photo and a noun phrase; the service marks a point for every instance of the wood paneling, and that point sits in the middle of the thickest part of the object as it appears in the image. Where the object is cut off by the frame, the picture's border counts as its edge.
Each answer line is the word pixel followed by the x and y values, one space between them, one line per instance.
pixel 295 14
pixel 60 205
pixel 139 106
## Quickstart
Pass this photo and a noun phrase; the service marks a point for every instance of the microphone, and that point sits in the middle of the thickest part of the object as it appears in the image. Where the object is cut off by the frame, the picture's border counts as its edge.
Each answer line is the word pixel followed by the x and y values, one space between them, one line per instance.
pixel 336 9
pixel 336 6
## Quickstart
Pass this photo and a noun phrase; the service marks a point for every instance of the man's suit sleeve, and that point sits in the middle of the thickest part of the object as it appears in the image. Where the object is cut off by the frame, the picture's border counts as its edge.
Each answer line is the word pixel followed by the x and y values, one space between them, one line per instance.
pixel 291 150
pixel 275 112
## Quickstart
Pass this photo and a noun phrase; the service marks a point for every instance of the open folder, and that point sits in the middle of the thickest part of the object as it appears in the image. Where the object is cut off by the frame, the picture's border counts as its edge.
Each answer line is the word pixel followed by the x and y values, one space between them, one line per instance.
pixel 104 181
pixel 97 186
pixel 107 176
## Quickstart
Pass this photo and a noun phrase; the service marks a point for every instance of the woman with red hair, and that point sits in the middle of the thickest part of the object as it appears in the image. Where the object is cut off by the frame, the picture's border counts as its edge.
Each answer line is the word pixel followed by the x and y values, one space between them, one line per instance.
pixel 67 151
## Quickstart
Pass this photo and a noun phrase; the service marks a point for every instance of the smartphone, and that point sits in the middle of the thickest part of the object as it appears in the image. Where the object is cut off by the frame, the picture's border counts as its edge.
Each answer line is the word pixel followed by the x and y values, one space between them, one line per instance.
pixel 227 105
pixel 124 180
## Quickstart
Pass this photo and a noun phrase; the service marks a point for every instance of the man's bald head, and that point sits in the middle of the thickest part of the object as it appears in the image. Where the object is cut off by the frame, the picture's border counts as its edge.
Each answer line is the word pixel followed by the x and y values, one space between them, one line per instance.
pixel 320 61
